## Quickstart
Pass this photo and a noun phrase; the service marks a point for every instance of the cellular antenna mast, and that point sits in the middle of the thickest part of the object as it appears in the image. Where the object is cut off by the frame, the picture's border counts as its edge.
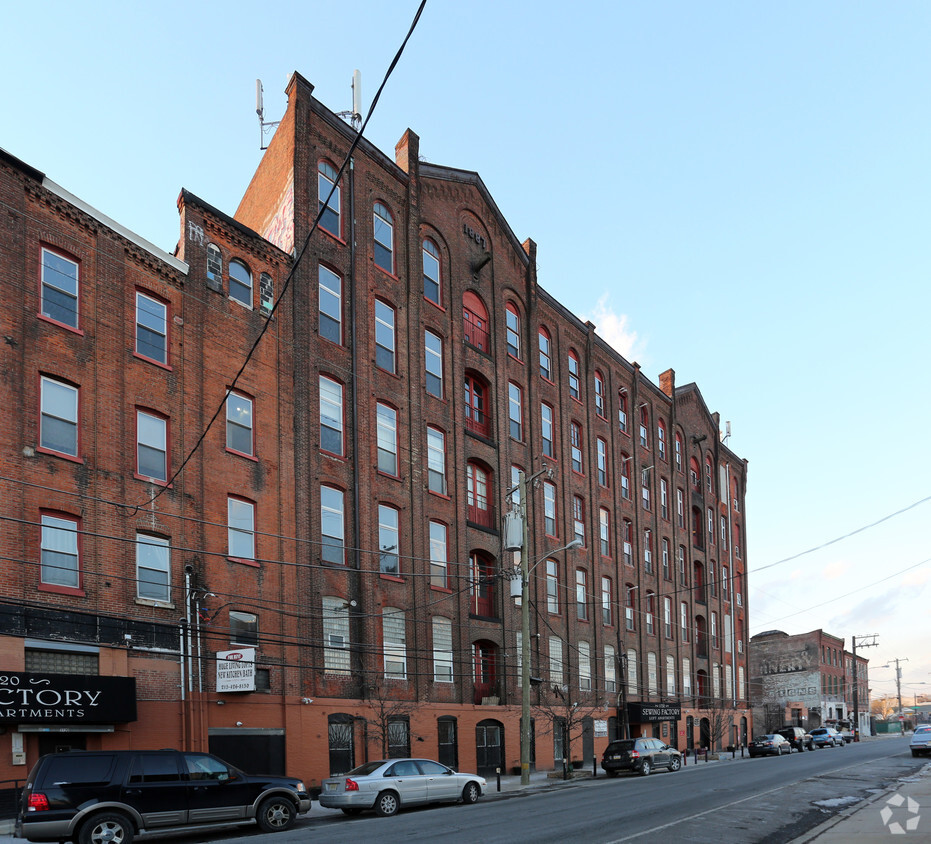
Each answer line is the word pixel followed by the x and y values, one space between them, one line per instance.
pixel 355 116
pixel 260 111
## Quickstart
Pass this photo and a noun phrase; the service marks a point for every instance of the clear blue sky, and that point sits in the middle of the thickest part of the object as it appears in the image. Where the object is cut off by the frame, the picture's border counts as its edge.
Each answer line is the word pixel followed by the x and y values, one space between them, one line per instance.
pixel 743 188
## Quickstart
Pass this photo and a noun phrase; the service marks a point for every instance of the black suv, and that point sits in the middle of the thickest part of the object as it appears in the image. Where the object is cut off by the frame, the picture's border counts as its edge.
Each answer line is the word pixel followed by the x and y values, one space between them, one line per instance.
pixel 642 755
pixel 109 796
pixel 798 738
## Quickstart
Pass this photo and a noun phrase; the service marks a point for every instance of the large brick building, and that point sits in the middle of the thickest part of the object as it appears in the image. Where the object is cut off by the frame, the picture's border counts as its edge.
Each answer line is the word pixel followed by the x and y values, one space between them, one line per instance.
pixel 806 679
pixel 342 513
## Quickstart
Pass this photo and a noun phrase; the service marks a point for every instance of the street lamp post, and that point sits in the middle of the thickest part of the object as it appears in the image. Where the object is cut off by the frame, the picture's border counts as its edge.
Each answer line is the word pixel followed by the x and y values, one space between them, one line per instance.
pixel 525 570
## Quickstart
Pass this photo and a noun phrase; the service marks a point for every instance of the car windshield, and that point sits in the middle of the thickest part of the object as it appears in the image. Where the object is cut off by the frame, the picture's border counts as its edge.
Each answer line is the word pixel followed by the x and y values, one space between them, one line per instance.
pixel 367 769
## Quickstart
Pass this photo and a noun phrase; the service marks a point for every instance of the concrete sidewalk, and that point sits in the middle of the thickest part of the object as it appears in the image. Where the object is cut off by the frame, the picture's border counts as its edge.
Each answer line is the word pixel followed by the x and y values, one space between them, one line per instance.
pixel 902 809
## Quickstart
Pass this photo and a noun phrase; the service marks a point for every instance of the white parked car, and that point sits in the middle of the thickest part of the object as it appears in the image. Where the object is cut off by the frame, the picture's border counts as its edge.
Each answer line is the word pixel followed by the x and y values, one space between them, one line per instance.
pixel 921 740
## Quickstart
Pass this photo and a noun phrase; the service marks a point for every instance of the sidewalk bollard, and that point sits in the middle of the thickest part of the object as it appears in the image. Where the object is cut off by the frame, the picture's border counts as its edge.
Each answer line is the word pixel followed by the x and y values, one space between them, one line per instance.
pixel 498 776
pixel 733 752
pixel 594 768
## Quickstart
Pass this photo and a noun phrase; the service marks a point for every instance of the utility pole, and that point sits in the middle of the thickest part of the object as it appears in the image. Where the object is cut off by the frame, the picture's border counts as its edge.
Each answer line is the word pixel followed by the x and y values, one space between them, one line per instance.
pixel 898 680
pixel 856 687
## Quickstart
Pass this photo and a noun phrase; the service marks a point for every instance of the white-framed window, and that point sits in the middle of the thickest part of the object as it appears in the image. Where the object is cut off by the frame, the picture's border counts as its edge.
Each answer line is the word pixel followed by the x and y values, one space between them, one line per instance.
pixel 724 530
pixel 389 540
pixel 607 612
pixel 684 620
pixel 153 569
pixel 546 430
pixel 58 423
pixel 670 675
pixel 326 179
pixel 431 272
pixel 725 583
pixel 667 617
pixel 610 669
pixel 575 446
pixel 556 662
pixel 664 498
pixel 552 587
pixel 60 551
pixel 331 416
pixel 649 612
pixel 578 518
pixel 625 476
pixel 585 667
pixel 667 574
pixel 515 411
pixel 599 395
pixel 633 687
pixel 330 305
pixel 622 420
pixel 332 526
pixel 581 594
pixel 686 677
pixel 546 360
pixel 336 636
pixel 741 683
pixel 512 330
pixel 386 424
pixel 710 515
pixel 714 631
pixel 240 532
pixel 439 562
pixel 433 362
pixel 549 509
pixel 385 340
pixel 574 382
pixel 151 446
pixel 394 635
pixel 436 461
pixel 661 439
pixel 239 424
pixel 60 288
pixel 602 448
pixel 648 550
pixel 215 265
pixel 680 508
pixel 604 532
pixel 240 283
pixel 442 650
pixel 652 676
pixel 383 236
pixel 151 328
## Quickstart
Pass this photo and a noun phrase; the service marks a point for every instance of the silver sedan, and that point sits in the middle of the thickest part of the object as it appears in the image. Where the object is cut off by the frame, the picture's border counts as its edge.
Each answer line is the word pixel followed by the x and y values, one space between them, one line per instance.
pixel 390 784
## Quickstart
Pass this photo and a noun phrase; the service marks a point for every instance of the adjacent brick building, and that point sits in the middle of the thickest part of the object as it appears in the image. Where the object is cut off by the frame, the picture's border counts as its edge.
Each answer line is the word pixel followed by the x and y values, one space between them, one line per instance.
pixel 342 513
pixel 806 680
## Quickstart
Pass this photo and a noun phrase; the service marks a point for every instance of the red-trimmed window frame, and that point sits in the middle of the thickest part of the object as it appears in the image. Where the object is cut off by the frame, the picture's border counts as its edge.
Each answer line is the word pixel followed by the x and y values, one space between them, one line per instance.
pixel 137 471
pixel 249 455
pixel 249 561
pixel 574 375
pixel 512 331
pixel 148 294
pixel 324 376
pixel 56 587
pixel 67 256
pixel 74 458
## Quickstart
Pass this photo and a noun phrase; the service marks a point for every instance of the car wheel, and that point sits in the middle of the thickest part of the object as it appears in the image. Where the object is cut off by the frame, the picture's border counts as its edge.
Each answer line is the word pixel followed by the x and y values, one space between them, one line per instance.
pixel 352 812
pixel 387 804
pixel 646 767
pixel 470 793
pixel 675 763
pixel 107 828
pixel 276 814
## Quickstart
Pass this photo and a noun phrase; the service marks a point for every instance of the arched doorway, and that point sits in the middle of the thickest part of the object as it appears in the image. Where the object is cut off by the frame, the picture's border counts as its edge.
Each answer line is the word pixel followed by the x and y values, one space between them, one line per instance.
pixel 705 731
pixel 689 733
pixel 489 747
pixel 743 731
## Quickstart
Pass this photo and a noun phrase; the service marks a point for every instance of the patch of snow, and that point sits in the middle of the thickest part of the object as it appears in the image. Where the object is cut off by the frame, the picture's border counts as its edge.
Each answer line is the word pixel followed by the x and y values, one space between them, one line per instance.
pixel 836 802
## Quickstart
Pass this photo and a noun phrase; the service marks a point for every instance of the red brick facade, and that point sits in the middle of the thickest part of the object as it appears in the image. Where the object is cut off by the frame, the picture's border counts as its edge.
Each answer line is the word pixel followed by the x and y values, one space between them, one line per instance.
pixel 383 412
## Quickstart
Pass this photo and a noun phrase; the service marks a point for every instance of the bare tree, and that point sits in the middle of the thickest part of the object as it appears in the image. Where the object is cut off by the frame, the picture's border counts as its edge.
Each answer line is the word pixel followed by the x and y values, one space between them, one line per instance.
pixel 560 713
pixel 883 707
pixel 720 719
pixel 389 716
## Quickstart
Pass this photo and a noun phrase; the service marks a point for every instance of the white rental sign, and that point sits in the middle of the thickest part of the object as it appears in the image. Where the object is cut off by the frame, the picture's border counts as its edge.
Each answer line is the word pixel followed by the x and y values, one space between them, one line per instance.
pixel 236 670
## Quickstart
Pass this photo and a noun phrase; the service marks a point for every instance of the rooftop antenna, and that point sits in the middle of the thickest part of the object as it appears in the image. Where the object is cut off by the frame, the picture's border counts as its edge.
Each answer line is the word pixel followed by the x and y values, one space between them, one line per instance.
pixel 355 116
pixel 727 432
pixel 260 111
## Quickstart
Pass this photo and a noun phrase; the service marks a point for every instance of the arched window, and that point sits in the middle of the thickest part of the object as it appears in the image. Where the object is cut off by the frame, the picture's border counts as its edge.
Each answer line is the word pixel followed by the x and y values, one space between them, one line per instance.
pixel 648 550
pixel 475 322
pixel 625 475
pixel 478 418
pixel 574 381
pixel 622 419
pixel 649 609
pixel 628 542
pixel 694 474
pixel 735 494
pixel 214 266
pixel 548 430
pixel 481 585
pixel 644 426
pixel 512 330
pixel 697 534
pixel 240 283
pixel 599 395
pixel 326 179
pixel 709 474
pixel 575 440
pixel 431 272
pixel 661 439
pixel 629 614
pixel 478 490
pixel 383 234
pixel 678 451
pixel 546 361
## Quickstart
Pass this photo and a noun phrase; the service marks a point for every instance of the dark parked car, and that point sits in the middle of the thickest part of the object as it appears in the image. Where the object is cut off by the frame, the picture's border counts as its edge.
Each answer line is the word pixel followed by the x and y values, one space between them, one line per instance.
pixel 771 744
pixel 642 755
pixel 798 738
pixel 102 796
pixel 827 737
